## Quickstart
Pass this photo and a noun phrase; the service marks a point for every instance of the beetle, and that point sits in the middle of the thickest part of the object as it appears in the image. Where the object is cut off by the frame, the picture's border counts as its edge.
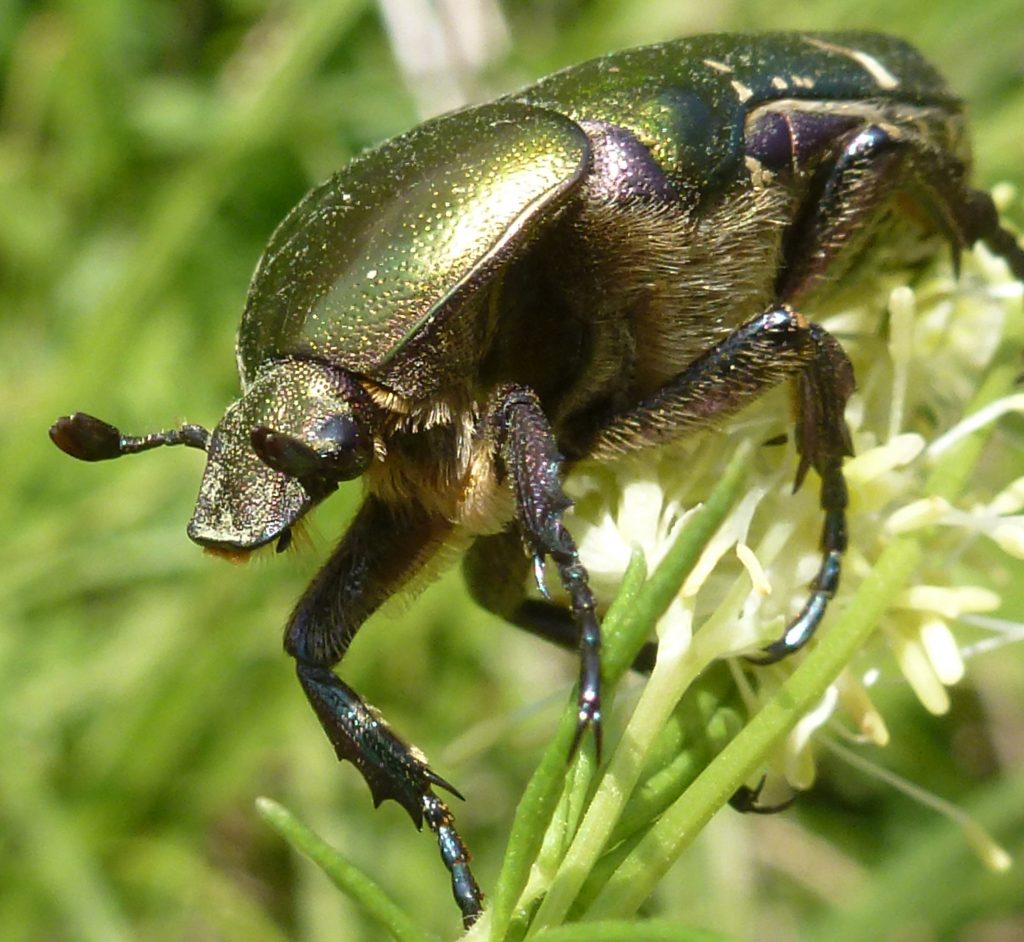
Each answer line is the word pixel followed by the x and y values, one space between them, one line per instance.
pixel 610 259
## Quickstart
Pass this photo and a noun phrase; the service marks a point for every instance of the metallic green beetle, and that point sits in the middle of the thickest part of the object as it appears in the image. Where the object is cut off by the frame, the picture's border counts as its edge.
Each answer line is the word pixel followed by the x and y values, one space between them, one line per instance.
pixel 607 260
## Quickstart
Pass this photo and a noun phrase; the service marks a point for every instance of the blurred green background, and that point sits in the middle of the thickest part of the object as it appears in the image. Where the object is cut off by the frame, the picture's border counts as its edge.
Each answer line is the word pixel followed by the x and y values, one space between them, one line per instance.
pixel 147 149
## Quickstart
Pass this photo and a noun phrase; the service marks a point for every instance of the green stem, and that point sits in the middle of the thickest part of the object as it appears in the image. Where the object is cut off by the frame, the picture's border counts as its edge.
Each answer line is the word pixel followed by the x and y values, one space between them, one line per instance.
pixel 670 678
pixel 542 793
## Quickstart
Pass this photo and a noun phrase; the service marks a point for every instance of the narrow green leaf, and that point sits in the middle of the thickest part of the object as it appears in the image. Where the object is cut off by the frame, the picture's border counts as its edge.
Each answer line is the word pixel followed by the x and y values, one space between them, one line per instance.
pixel 345 875
pixel 632 931
pixel 545 786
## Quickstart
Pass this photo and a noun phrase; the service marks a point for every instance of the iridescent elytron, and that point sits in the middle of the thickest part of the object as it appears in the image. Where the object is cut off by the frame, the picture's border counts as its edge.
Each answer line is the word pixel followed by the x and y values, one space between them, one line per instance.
pixel 610 259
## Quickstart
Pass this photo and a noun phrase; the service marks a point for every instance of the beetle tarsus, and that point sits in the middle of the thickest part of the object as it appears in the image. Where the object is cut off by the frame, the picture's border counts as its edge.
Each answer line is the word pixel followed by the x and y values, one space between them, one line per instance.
pixel 802 628
pixel 456 858
pixel 747 800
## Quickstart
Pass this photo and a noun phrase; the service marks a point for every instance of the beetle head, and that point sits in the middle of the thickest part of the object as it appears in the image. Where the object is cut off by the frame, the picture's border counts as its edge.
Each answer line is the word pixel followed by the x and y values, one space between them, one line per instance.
pixel 300 429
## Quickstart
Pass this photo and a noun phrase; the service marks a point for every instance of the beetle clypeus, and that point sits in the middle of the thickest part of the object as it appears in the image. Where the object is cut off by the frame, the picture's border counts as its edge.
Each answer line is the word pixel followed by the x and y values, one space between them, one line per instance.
pixel 610 259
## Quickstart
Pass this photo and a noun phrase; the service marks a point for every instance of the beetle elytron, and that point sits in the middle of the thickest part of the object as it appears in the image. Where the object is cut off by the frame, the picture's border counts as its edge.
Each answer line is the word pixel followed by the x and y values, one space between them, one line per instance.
pixel 607 260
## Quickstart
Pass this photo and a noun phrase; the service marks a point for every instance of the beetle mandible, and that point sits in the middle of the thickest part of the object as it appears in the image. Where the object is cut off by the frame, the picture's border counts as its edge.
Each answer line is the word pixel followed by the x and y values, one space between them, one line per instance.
pixel 612 258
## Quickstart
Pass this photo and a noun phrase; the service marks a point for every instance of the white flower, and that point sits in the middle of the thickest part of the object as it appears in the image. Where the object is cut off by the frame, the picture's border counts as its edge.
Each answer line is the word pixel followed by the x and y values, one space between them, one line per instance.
pixel 918 355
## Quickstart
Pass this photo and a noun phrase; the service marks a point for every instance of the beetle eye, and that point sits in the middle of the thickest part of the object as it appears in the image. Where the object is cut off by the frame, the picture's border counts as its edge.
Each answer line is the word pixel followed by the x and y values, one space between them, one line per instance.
pixel 344 447
pixel 340 452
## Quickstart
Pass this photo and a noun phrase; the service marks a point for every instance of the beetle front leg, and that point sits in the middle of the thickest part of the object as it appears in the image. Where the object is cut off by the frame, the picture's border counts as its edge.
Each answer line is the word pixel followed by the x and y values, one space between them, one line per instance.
pixel 530 456
pixel 381 550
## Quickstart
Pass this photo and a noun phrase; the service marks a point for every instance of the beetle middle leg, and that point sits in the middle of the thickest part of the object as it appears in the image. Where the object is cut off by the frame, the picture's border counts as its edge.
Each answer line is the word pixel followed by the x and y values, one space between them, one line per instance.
pixel 773 347
pixel 529 456
pixel 382 548
pixel 496 571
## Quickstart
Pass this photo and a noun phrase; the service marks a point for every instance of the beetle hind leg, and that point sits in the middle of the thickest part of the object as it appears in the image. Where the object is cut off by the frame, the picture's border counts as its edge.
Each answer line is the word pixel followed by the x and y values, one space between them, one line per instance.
pixel 823 441
pixel 980 221
pixel 876 168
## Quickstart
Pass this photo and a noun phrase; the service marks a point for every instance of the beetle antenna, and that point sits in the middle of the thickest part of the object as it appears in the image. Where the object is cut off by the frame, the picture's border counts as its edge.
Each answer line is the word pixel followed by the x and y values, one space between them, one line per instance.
pixel 90 439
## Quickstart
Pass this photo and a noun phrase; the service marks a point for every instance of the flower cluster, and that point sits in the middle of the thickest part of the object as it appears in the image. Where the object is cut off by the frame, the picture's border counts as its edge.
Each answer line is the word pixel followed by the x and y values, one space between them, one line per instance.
pixel 918 353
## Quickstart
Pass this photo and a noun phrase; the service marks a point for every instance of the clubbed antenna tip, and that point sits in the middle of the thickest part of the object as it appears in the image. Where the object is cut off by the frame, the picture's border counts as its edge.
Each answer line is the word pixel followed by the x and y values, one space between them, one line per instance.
pixel 87 438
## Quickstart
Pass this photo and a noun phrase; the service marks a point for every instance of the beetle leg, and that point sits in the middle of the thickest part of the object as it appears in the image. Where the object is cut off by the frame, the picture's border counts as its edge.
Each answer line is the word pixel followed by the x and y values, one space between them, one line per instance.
pixel 381 550
pixel 823 440
pixel 530 457
pixel 496 572
pixel 772 347
pixel 747 800
pixel 980 220
pixel 878 166
pixel 768 349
